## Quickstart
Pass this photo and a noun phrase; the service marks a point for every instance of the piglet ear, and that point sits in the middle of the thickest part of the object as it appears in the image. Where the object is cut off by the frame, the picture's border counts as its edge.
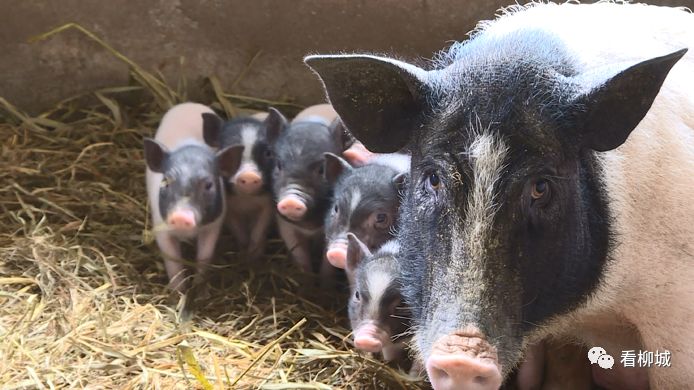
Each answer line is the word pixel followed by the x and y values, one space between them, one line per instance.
pixel 343 138
pixel 334 167
pixel 399 181
pixel 617 106
pixel 380 100
pixel 229 160
pixel 212 129
pixel 156 155
pixel 275 123
pixel 356 252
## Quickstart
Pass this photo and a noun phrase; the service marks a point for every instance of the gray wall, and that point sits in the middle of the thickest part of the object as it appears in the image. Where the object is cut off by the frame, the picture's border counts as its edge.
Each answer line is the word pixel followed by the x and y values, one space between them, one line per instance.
pixel 216 37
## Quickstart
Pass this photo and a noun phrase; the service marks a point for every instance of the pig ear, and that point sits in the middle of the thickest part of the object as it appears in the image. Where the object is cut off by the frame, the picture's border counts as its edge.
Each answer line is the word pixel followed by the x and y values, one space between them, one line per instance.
pixel 156 155
pixel 399 181
pixel 229 160
pixel 275 123
pixel 615 108
pixel 356 252
pixel 379 100
pixel 334 166
pixel 211 129
pixel 343 138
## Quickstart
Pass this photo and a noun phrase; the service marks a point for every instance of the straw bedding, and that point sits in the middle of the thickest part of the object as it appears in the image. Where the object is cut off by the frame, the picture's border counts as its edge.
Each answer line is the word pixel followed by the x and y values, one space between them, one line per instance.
pixel 83 302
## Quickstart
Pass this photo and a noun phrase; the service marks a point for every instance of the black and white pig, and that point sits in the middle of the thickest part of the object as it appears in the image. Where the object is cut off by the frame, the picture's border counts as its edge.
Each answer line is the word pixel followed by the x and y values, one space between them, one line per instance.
pixel 301 188
pixel 378 316
pixel 551 187
pixel 250 207
pixel 185 187
pixel 365 202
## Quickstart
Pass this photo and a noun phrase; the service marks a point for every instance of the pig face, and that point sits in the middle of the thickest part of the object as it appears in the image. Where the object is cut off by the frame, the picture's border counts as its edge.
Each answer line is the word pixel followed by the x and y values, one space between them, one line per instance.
pixel 254 174
pixel 376 310
pixel 365 203
pixel 504 222
pixel 299 184
pixel 191 193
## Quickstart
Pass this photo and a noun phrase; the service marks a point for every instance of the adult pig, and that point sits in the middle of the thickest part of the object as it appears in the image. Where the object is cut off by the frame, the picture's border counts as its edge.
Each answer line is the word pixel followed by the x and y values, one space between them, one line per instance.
pixel 551 186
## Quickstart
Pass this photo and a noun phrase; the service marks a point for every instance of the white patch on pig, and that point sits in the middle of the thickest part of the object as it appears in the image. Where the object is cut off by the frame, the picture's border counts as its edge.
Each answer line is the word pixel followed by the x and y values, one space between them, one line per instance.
pixel 390 247
pixel 487 156
pixel 354 202
pixel 378 282
pixel 249 136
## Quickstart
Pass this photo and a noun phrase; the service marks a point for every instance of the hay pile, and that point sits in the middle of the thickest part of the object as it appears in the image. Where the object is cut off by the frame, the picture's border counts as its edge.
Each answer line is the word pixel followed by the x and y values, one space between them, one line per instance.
pixel 82 287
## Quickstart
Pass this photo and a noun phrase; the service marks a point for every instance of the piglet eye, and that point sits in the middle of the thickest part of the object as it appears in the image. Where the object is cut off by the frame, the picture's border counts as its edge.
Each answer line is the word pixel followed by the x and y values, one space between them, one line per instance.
pixel 268 153
pixel 382 221
pixel 540 189
pixel 165 182
pixel 335 209
pixel 356 295
pixel 320 169
pixel 209 184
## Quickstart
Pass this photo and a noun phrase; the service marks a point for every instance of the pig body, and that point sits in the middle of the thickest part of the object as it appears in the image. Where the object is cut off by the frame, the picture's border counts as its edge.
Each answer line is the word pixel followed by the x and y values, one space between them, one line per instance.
pixel 301 189
pixel 550 189
pixel 376 311
pixel 250 208
pixel 365 203
pixel 185 187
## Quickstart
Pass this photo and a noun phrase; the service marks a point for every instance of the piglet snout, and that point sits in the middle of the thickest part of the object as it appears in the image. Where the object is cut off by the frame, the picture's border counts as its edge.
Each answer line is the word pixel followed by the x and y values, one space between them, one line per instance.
pixel 370 338
pixel 463 360
pixel 337 254
pixel 292 207
pixel 248 182
pixel 181 219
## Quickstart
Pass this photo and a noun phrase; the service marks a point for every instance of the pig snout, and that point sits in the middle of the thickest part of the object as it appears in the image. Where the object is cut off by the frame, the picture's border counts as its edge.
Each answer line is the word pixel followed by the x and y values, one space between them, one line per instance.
pixel 464 360
pixel 292 207
pixel 181 219
pixel 337 253
pixel 248 181
pixel 370 338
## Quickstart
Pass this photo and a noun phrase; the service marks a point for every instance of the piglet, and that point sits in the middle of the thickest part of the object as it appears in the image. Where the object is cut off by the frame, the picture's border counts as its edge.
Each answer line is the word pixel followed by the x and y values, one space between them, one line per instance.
pixel 365 202
pixel 300 186
pixel 185 187
pixel 376 311
pixel 250 208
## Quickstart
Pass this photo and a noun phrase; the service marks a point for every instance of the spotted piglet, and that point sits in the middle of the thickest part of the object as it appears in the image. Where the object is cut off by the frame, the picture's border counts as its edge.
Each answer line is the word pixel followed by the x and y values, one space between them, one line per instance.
pixel 185 187
pixel 376 311
pixel 365 202
pixel 300 187
pixel 250 208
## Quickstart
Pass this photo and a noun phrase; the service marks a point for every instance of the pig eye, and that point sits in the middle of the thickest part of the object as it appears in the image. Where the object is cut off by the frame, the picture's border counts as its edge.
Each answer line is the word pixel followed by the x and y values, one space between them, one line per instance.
pixel 209 184
pixel 382 221
pixel 540 191
pixel 433 183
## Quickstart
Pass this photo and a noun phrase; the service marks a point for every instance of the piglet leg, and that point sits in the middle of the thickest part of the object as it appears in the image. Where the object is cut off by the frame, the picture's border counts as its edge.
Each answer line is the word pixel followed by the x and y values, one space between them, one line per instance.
pixel 297 244
pixel 256 248
pixel 173 261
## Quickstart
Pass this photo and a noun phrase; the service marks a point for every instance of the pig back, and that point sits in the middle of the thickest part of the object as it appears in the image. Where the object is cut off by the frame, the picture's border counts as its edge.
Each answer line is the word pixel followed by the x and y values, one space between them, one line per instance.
pixel 182 125
pixel 321 113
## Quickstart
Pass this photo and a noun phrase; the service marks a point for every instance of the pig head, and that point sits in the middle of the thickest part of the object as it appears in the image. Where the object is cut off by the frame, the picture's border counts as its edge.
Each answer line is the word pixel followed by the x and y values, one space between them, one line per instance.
pixel 504 224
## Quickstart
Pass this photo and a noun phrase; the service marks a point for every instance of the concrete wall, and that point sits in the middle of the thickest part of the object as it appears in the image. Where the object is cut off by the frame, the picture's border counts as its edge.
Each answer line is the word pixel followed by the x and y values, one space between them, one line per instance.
pixel 217 37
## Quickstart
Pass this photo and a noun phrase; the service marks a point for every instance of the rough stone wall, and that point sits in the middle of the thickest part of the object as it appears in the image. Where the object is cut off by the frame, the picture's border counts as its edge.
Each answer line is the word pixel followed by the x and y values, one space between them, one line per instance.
pixel 217 37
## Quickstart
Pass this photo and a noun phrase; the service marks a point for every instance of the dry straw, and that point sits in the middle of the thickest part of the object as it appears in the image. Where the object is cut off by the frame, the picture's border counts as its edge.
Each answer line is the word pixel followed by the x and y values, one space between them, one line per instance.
pixel 82 288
